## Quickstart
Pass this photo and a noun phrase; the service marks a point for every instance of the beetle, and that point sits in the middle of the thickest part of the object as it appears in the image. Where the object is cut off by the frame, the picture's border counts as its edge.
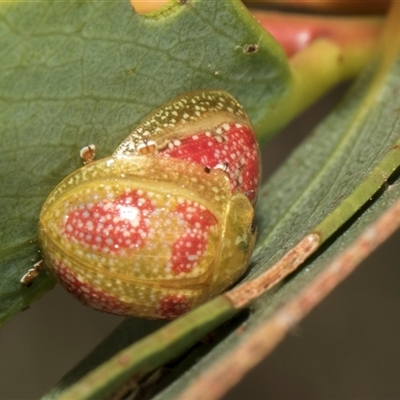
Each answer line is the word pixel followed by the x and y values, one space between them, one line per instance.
pixel 166 222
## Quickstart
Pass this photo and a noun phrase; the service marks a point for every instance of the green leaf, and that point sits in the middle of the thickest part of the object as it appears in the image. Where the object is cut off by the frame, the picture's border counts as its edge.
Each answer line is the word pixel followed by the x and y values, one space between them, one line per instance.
pixel 80 72
pixel 75 73
pixel 335 185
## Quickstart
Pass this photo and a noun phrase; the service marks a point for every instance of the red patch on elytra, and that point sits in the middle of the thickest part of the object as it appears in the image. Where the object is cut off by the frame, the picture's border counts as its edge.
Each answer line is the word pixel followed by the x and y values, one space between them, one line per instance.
pixel 87 293
pixel 110 224
pixel 190 247
pixel 173 305
pixel 234 149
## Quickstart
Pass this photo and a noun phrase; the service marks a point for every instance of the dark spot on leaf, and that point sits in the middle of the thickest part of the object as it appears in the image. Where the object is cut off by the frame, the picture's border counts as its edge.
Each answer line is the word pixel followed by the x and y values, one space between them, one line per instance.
pixel 250 48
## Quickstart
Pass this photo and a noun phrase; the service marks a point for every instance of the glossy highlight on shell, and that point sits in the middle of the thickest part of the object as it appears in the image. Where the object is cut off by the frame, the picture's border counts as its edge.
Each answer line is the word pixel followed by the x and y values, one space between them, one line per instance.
pixel 166 222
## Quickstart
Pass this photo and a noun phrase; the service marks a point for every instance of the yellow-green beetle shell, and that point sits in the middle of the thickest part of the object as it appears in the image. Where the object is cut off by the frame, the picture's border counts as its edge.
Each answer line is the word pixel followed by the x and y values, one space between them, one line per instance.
pixel 146 236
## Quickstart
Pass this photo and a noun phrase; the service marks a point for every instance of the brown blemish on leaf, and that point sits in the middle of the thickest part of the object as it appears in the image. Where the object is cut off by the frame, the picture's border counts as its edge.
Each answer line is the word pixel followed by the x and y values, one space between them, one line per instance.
pixel 244 293
pixel 250 48
pixel 124 360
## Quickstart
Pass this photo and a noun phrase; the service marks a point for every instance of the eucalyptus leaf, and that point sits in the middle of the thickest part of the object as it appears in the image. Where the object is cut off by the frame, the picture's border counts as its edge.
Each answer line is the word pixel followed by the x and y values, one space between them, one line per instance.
pixel 325 187
pixel 80 72
pixel 74 73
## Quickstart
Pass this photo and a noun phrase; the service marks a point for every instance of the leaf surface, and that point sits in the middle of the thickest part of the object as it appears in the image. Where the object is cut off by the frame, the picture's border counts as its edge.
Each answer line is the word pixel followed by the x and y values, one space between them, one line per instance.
pixel 75 73
pixel 336 185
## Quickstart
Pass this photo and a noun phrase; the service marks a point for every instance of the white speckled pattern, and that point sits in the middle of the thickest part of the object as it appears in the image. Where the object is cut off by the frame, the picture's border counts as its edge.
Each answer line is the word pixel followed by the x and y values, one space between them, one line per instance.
pixel 165 223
